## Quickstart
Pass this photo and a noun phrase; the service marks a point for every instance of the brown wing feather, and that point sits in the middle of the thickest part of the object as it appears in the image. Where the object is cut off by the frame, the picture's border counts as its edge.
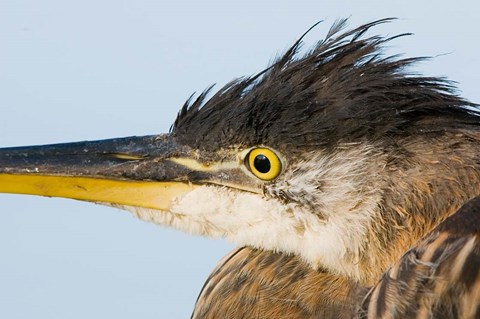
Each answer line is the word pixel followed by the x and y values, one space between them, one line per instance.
pixel 438 278
pixel 251 283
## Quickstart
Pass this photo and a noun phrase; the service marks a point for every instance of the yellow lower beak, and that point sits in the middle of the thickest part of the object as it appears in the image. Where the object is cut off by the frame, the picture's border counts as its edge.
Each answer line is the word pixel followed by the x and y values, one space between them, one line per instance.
pixel 148 194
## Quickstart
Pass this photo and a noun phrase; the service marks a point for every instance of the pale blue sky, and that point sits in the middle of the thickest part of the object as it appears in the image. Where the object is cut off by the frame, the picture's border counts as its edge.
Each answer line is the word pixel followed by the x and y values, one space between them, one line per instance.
pixel 78 70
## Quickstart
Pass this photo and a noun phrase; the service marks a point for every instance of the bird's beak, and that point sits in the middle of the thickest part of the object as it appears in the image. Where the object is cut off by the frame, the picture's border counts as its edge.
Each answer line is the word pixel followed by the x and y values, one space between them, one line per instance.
pixel 133 171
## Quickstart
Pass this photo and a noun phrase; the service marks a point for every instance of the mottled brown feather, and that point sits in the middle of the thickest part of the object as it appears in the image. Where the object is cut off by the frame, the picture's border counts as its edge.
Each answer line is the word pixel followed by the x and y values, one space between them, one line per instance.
pixel 252 283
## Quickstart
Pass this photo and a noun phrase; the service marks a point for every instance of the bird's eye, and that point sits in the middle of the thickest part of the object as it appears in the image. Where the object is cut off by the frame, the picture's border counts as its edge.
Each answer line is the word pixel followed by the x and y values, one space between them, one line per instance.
pixel 264 163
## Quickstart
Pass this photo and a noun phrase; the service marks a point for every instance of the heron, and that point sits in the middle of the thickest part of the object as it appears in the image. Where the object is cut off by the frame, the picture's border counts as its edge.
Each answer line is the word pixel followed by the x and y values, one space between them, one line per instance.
pixel 348 182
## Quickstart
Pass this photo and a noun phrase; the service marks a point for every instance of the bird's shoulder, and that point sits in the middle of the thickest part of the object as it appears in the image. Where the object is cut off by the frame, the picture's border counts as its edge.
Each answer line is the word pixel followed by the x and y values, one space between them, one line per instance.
pixel 438 277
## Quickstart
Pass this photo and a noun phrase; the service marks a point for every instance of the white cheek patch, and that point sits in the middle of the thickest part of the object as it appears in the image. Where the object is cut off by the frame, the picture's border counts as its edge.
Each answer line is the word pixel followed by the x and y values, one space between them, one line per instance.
pixel 334 184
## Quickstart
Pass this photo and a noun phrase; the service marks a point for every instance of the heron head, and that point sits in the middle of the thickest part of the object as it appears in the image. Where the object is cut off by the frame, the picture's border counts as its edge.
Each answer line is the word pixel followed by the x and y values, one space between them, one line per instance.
pixel 332 155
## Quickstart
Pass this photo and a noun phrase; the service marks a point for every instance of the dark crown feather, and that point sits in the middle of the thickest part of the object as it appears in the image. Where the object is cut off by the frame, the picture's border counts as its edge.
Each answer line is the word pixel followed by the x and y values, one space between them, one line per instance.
pixel 343 90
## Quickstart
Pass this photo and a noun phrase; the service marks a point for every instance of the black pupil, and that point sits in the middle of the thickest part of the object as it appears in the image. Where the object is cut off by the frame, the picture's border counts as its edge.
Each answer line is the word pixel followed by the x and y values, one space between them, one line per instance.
pixel 262 163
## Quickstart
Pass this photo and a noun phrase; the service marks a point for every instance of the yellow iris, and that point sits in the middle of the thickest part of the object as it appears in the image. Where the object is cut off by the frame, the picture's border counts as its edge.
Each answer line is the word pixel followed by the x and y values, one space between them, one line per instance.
pixel 264 163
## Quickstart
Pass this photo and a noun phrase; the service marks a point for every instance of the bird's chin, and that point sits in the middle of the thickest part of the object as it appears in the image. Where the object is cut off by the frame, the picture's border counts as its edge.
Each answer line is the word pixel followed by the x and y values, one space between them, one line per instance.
pixel 248 219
